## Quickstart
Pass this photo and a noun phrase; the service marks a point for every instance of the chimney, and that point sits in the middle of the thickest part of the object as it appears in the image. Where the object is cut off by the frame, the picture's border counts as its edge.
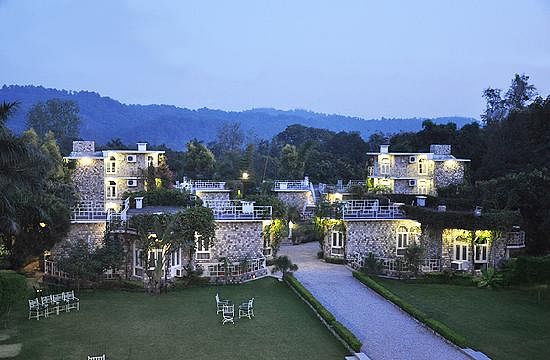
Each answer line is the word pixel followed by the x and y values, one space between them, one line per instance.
pixel 83 146
pixel 142 146
pixel 384 149
pixel 438 149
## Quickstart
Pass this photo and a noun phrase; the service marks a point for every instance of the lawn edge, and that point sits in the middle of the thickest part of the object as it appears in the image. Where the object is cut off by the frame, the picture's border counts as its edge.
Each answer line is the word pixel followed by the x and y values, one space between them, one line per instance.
pixel 342 333
pixel 436 326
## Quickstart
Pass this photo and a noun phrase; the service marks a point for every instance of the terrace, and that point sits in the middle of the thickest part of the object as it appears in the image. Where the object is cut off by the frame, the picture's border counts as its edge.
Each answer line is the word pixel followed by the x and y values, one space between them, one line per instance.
pixel 371 209
pixel 88 212
pixel 292 185
pixel 201 185
pixel 227 210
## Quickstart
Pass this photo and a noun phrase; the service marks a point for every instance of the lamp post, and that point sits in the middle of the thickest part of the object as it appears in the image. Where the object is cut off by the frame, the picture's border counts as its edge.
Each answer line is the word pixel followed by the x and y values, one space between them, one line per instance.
pixel 244 178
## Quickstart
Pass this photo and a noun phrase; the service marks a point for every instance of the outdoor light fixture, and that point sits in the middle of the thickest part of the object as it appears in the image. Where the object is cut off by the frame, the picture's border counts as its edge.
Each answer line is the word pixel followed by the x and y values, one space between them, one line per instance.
pixel 86 161
pixel 245 175
pixel 42 224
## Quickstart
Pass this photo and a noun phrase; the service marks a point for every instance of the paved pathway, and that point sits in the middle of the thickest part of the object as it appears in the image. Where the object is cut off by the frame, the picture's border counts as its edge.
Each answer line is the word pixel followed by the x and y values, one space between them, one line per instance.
pixel 385 331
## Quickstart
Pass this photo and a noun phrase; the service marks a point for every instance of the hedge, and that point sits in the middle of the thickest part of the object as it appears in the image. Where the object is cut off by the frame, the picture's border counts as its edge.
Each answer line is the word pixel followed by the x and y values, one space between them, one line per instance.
pixel 433 324
pixel 334 260
pixel 529 270
pixel 13 289
pixel 340 329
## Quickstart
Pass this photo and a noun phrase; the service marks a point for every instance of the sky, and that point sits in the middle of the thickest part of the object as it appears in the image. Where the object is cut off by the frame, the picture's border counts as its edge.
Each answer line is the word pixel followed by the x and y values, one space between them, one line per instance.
pixel 362 58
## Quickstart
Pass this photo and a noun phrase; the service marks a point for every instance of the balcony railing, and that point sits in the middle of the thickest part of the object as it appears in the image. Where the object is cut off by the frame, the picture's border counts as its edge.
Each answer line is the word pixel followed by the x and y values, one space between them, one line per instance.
pixel 51 269
pixel 88 211
pixel 292 185
pixel 238 210
pixel 371 209
pixel 201 185
pixel 515 239
pixel 392 266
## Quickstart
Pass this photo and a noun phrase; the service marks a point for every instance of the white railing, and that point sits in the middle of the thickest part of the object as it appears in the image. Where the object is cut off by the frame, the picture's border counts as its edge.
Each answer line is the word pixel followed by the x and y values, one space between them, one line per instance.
pixel 391 266
pixel 293 185
pixel 370 209
pixel 238 210
pixel 234 268
pixel 200 185
pixel 515 239
pixel 51 269
pixel 88 211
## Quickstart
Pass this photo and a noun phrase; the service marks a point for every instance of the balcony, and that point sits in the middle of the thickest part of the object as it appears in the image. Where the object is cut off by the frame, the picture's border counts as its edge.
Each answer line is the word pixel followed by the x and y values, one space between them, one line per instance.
pixel 515 239
pixel 201 185
pixel 88 212
pixel 370 209
pixel 235 210
pixel 292 185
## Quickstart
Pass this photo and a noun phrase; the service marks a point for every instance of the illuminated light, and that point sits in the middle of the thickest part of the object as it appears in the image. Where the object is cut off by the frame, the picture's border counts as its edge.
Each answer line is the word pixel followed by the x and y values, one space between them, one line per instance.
pixel 266 223
pixel 86 161
pixel 152 236
pixel 158 182
pixel 42 225
pixel 245 175
pixel 111 205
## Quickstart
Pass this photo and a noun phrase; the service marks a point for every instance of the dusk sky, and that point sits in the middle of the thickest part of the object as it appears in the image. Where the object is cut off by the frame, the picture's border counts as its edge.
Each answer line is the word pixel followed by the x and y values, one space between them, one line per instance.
pixel 361 58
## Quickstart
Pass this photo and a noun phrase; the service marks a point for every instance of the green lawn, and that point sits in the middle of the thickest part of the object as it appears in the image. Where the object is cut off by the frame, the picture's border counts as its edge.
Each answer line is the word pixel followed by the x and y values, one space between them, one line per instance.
pixel 180 325
pixel 504 323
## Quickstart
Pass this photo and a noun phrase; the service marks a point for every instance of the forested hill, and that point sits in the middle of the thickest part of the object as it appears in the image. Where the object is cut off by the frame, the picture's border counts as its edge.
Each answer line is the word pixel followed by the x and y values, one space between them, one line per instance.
pixel 104 118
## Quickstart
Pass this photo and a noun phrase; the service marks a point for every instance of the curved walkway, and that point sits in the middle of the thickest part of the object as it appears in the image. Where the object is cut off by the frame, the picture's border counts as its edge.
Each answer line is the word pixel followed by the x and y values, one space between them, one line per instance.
pixel 385 331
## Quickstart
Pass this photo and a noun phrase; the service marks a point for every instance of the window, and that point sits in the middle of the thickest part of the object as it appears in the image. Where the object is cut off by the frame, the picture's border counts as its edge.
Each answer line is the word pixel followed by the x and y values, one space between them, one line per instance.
pixel 111 165
pixel 267 247
pixel 111 190
pixel 337 243
pixel 402 240
pixel 202 248
pixel 138 261
pixel 175 258
pixel 422 167
pixel 384 166
pixel 150 161
pixel 414 234
pixel 480 252
pixel 422 187
pixel 460 252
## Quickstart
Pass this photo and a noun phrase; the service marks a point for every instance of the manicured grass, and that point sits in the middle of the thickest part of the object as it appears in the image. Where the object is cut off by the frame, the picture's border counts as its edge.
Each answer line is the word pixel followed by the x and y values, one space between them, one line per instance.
pixel 180 325
pixel 504 323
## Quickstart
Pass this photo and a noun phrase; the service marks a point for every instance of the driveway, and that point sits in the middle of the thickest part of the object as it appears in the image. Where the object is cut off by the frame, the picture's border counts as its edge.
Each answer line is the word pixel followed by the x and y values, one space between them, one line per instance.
pixel 385 331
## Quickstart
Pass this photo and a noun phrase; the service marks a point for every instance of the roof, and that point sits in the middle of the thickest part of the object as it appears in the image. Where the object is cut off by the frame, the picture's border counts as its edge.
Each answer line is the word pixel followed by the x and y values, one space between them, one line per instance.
pixel 431 156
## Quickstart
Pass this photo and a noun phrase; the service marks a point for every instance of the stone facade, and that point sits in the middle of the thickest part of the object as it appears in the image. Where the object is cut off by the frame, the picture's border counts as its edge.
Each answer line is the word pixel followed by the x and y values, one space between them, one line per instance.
pixel 88 179
pixel 84 146
pixel 238 240
pixel 91 233
pixel 449 172
pixel 297 199
pixel 213 195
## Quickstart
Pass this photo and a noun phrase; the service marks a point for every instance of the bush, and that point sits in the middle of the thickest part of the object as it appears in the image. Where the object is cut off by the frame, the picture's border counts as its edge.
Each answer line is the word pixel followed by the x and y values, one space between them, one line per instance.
pixel 435 325
pixel 13 290
pixel 340 329
pixel 320 254
pixel 304 233
pixel 447 276
pixel 372 265
pixel 334 260
pixel 120 284
pixel 528 270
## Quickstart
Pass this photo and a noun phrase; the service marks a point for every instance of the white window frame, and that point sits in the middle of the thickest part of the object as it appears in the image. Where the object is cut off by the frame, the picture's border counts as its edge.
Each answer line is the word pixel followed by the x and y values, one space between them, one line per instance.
pixel 481 252
pixel 150 160
pixel 267 251
pixel 401 238
pixel 111 166
pixel 336 243
pixel 384 166
pixel 414 234
pixel 422 187
pixel 422 166
pixel 112 190
pixel 200 252
pixel 463 251
pixel 138 261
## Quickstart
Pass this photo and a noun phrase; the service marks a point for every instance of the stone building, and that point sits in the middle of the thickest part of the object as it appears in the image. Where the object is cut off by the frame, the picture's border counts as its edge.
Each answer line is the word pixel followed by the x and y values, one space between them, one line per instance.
pixel 415 173
pixel 299 194
pixel 205 189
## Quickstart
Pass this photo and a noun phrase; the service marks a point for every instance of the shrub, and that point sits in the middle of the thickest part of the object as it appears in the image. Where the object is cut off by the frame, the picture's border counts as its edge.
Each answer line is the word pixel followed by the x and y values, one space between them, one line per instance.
pixel 13 289
pixel 413 258
pixel 528 270
pixel 372 265
pixel 120 284
pixel 489 279
pixel 284 265
pixel 320 254
pixel 334 260
pixel 447 276
pixel 435 325
pixel 340 329
pixel 304 233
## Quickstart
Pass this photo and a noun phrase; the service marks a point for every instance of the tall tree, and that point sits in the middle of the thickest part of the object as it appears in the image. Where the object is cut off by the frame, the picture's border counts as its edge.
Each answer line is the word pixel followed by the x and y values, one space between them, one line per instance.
pixel 199 161
pixel 292 166
pixel 58 116
pixel 520 92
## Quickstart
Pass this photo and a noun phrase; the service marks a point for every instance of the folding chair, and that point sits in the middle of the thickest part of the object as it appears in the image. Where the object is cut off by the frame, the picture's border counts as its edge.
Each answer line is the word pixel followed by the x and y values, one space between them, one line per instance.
pixel 228 314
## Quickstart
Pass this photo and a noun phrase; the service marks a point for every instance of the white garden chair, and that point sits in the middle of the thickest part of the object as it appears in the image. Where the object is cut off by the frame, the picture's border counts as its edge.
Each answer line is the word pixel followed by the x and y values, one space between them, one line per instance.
pixel 220 304
pixel 102 357
pixel 246 309
pixel 228 314
pixel 47 306
pixel 71 301
pixel 35 309
pixel 58 303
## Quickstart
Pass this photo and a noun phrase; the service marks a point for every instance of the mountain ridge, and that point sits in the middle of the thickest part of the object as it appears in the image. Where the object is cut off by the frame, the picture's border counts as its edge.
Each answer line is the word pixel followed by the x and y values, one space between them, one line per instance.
pixel 104 118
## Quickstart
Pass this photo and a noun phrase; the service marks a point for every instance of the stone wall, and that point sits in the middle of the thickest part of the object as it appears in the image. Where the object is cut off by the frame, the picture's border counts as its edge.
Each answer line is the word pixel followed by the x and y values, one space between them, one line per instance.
pixel 131 169
pixel 401 167
pixel 401 186
pixel 91 233
pixel 83 146
pixel 297 199
pixel 496 252
pixel 238 240
pixel 213 195
pixel 88 179
pixel 376 236
pixel 450 172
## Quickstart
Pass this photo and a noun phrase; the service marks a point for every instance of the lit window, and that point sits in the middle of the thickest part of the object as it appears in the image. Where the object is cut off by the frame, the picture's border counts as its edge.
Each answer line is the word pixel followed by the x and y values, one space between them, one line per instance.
pixel 384 166
pixel 111 166
pixel 150 161
pixel 414 234
pixel 422 187
pixel 422 167
pixel 111 190
pixel 460 252
pixel 480 252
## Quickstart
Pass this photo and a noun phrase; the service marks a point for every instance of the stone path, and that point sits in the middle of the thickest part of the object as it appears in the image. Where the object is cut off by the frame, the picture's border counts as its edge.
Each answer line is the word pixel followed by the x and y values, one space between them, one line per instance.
pixel 385 331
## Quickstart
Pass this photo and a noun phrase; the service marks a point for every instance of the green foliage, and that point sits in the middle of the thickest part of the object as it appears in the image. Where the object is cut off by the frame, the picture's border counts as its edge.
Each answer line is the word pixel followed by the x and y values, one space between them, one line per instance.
pixel 199 161
pixel 292 166
pixel 111 255
pixel 528 270
pixel 372 265
pixel 13 290
pixel 447 276
pixel 413 258
pixel 273 233
pixel 305 232
pixel 489 279
pixel 335 260
pixel 80 260
pixel 340 329
pixel 284 264
pixel 266 199
pixel 435 325
pixel 120 285
pixel 162 197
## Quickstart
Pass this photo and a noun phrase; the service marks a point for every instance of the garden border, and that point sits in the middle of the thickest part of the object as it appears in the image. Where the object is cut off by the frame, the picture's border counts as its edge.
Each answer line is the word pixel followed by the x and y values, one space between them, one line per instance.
pixel 342 333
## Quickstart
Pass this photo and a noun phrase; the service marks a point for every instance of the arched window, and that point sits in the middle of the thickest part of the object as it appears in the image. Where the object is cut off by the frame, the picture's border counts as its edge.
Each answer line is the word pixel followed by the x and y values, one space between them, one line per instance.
pixel 111 165
pixel 111 190
pixel 414 234
pixel 402 237
pixel 422 167
pixel 385 166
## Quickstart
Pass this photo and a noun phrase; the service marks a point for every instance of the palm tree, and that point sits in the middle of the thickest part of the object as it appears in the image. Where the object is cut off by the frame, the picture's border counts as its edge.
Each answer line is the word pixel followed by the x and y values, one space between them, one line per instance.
pixel 284 265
